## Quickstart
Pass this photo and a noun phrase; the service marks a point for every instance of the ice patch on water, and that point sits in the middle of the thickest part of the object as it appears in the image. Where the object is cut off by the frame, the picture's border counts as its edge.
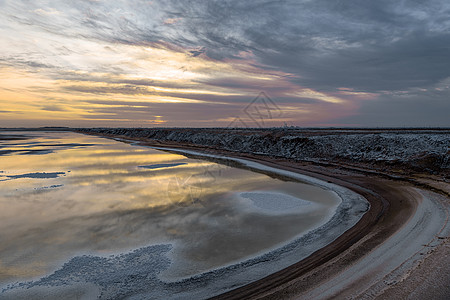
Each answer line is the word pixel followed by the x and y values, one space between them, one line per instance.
pixel 274 202
pixel 116 276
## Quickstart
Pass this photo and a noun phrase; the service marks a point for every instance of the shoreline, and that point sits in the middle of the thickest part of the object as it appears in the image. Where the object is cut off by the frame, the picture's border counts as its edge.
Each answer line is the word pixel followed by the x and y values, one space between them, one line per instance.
pixel 283 254
pixel 350 210
pixel 391 209
pixel 398 249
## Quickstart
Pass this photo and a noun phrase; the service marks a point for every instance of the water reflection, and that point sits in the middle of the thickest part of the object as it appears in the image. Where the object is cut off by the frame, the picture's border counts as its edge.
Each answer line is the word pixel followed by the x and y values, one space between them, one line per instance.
pixel 109 197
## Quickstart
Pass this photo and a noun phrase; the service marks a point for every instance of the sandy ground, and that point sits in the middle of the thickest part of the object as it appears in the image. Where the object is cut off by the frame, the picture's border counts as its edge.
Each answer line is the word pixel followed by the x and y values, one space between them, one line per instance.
pixel 398 250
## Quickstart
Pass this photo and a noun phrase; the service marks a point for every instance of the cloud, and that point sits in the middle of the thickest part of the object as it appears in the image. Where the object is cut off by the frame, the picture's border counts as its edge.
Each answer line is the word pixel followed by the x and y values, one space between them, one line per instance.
pixel 48 12
pixel 198 52
pixel 416 107
pixel 171 21
pixel 123 89
pixel 340 59
pixel 53 108
pixel 373 46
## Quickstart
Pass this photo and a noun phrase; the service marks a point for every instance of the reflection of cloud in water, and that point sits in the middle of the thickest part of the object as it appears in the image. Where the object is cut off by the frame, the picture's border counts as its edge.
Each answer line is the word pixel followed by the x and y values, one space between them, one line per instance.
pixel 42 175
pixel 275 203
pixel 35 152
pixel 13 137
pixel 50 187
pixel 161 166
pixel 206 237
pixel 25 152
pixel 107 204
pixel 40 147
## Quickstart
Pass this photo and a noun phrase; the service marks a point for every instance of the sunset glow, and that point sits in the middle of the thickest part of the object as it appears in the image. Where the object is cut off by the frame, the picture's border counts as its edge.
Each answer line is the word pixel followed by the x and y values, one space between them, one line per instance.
pixel 151 63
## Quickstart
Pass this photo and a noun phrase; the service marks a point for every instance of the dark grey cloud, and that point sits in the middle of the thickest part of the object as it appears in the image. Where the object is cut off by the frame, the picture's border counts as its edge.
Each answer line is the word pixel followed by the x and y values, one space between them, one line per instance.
pixel 108 79
pixel 417 108
pixel 25 63
pixel 367 45
pixel 238 99
pixel 196 53
pixel 53 108
pixel 397 49
pixel 123 89
pixel 181 114
pixel 408 112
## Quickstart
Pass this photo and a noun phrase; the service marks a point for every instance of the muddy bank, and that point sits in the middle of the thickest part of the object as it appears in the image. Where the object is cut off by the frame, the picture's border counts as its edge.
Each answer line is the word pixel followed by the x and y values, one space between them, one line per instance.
pixel 402 151
pixel 396 207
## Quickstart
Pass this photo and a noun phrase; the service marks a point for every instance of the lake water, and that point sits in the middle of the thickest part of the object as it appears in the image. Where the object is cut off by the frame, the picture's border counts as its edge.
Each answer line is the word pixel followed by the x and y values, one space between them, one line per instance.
pixel 64 194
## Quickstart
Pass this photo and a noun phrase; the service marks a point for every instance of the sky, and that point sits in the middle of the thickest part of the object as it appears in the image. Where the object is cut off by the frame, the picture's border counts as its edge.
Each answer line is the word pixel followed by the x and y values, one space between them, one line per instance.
pixel 140 63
